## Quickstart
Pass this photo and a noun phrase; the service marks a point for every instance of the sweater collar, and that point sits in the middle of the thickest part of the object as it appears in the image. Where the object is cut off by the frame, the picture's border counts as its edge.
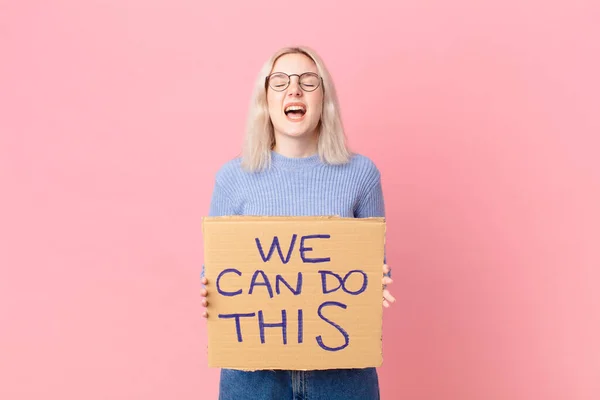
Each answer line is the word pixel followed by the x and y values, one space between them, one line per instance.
pixel 281 161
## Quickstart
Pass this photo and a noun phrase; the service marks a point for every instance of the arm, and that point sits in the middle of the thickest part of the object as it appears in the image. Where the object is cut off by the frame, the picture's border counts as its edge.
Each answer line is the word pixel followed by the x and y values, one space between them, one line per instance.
pixel 372 205
pixel 221 204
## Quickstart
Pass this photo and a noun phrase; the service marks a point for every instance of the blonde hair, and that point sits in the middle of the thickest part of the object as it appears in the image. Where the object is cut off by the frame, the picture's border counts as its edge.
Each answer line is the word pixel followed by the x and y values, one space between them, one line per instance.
pixel 260 137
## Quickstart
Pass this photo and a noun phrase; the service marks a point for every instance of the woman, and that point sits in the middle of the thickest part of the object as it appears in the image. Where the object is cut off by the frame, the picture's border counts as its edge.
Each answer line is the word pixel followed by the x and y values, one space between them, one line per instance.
pixel 295 162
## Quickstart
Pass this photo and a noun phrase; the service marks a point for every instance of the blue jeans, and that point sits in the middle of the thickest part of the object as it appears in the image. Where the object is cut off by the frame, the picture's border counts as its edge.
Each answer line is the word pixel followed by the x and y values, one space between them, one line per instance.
pixel 340 384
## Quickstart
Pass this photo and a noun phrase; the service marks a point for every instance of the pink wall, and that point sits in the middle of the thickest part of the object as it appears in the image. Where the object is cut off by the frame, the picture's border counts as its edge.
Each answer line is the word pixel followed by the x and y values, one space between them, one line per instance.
pixel 483 117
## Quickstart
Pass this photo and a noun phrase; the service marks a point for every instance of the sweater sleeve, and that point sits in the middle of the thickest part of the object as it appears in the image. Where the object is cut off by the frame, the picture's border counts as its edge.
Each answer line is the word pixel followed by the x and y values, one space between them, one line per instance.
pixel 370 202
pixel 372 205
pixel 221 204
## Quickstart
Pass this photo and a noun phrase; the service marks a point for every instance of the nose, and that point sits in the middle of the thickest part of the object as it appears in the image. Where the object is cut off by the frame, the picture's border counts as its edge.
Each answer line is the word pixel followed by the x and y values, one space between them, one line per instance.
pixel 294 87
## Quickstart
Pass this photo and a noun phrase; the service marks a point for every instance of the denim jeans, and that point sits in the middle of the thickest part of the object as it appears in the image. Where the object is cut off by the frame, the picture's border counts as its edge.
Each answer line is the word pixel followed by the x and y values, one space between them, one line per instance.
pixel 340 384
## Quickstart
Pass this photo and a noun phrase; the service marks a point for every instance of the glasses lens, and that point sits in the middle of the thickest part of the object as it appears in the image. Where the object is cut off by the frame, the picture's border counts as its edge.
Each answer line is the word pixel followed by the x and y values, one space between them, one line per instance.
pixel 278 81
pixel 309 82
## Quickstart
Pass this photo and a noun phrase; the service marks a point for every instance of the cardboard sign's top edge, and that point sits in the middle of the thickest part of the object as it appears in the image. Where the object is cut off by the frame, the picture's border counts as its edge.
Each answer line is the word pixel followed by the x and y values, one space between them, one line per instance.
pixel 238 218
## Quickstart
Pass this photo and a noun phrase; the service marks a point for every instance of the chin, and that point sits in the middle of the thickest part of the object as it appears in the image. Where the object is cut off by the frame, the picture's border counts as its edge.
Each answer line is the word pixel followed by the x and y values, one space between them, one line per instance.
pixel 297 133
pixel 297 130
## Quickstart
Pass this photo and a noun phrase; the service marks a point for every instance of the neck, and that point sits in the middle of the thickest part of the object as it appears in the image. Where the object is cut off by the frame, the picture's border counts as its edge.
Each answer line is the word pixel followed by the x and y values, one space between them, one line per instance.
pixel 295 147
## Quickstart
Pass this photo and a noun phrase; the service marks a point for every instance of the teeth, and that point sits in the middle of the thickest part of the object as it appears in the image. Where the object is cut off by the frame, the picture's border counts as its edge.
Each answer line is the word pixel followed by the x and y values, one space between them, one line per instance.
pixel 294 108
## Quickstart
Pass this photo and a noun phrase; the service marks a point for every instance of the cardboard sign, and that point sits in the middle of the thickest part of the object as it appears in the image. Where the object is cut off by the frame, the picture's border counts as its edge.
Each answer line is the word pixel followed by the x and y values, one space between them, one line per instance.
pixel 297 293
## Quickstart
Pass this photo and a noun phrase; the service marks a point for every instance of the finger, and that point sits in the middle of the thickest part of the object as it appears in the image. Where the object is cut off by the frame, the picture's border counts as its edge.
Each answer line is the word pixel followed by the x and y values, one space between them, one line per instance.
pixel 204 280
pixel 386 268
pixel 203 293
pixel 388 296
pixel 205 314
pixel 204 303
pixel 386 280
pixel 386 304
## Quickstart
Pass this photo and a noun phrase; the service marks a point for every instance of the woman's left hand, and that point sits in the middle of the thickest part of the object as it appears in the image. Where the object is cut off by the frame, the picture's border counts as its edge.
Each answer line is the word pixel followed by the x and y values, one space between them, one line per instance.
pixel 387 296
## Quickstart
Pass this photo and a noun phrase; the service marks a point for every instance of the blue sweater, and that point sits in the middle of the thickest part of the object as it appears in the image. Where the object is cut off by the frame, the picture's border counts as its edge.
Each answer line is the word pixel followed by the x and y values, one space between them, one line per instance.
pixel 299 187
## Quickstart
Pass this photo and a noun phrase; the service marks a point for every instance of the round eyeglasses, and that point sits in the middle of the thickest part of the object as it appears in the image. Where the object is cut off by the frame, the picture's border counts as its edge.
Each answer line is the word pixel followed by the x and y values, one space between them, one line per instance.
pixel 308 81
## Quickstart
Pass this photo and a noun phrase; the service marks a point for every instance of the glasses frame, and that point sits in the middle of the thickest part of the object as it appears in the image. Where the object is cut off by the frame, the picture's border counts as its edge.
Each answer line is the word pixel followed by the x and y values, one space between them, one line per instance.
pixel 268 79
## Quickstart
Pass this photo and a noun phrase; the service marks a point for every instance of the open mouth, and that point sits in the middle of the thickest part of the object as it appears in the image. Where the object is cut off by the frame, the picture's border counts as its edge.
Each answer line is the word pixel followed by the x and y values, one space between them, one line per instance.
pixel 295 112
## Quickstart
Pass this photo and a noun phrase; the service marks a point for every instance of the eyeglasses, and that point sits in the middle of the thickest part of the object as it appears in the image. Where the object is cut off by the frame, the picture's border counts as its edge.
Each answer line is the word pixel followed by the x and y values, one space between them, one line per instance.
pixel 279 81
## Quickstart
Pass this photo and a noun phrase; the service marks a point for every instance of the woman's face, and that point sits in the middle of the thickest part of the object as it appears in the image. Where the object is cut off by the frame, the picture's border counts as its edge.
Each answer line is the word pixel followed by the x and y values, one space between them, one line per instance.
pixel 295 110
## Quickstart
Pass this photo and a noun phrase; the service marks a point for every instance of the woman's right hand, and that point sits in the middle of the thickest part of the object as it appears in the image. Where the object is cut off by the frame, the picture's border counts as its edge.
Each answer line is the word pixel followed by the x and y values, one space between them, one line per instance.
pixel 204 293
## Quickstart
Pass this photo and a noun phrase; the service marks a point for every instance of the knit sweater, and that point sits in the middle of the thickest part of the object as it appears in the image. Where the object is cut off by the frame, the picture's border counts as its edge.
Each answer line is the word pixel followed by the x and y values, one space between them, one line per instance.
pixel 299 187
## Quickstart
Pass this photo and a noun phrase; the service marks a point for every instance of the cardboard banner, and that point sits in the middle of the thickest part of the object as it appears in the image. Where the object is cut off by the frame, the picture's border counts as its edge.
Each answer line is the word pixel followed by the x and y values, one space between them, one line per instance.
pixel 297 293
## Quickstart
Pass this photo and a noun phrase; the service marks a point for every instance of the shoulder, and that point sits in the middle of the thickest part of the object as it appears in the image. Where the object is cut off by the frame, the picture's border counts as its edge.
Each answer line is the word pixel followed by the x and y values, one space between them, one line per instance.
pixel 361 172
pixel 365 167
pixel 363 162
pixel 229 171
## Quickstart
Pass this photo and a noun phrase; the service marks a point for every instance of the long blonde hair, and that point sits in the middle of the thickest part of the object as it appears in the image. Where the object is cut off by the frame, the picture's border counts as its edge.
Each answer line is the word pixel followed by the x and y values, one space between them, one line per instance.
pixel 260 137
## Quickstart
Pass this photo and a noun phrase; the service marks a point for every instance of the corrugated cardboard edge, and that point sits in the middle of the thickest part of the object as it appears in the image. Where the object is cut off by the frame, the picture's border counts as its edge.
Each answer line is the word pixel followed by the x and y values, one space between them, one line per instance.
pixel 244 218
pixel 296 369
pixel 284 218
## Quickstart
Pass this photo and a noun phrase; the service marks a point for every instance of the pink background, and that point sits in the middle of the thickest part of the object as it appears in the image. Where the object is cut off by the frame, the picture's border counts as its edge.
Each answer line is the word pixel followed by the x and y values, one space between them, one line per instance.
pixel 482 116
